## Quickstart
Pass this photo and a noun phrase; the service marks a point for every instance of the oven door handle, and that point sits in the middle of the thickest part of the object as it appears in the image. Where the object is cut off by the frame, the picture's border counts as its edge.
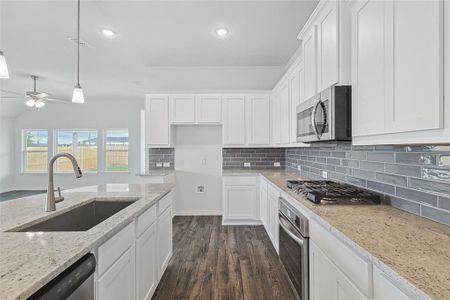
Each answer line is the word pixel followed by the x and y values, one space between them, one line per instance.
pixel 285 226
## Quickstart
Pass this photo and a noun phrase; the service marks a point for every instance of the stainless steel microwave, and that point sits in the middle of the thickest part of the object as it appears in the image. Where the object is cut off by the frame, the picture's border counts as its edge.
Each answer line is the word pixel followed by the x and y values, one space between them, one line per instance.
pixel 326 116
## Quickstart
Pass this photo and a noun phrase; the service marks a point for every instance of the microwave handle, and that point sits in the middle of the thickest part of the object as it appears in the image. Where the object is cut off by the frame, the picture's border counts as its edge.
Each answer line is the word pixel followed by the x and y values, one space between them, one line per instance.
pixel 313 119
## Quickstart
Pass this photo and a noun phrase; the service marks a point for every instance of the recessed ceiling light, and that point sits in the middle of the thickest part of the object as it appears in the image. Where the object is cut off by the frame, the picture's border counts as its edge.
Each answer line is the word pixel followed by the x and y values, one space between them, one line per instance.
pixel 108 32
pixel 221 32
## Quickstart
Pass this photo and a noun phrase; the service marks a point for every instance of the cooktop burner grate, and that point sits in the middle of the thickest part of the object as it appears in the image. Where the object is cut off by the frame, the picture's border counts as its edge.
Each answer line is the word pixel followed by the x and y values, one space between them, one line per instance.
pixel 329 192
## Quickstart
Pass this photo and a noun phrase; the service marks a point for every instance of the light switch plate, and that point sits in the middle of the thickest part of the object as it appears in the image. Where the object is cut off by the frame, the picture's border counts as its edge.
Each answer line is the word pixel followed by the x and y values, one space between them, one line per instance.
pixel 166 165
pixel 247 165
pixel 159 165
pixel 325 174
pixel 276 164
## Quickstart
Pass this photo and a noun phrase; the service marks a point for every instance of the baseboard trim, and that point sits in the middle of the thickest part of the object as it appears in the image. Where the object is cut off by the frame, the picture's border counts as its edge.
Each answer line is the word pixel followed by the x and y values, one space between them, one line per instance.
pixel 198 213
pixel 241 222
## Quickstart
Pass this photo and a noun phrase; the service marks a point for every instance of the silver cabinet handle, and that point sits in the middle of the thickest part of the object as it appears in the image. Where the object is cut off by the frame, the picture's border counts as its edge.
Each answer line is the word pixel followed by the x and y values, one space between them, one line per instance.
pixel 286 229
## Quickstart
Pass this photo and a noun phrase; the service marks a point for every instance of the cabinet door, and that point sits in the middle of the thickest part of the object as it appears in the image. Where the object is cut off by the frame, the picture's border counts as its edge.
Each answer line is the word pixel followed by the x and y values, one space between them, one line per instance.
pixel 233 120
pixel 182 108
pixel 370 78
pixel 310 63
pixel 273 221
pixel 264 207
pixel 208 109
pixel 157 121
pixel 416 65
pixel 164 245
pixel 275 118
pixel 146 267
pixel 327 40
pixel 294 87
pixel 118 282
pixel 258 120
pixel 285 114
pixel 327 282
pixel 240 202
pixel 383 288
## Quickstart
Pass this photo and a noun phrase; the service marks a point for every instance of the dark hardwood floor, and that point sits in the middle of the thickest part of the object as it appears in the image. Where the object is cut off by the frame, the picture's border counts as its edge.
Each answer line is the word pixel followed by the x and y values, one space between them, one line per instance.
pixel 211 261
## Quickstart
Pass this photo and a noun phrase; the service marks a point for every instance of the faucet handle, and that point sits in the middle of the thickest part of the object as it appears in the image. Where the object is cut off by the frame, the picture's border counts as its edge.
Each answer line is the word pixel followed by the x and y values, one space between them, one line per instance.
pixel 60 197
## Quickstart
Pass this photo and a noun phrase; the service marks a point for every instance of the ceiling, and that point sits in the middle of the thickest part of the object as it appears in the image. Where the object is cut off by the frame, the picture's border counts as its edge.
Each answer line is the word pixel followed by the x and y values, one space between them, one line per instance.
pixel 151 34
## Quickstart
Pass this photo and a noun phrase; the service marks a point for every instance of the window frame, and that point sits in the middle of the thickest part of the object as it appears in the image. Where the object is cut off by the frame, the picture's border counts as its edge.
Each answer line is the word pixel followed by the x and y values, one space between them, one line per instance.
pixel 75 145
pixel 24 147
pixel 105 132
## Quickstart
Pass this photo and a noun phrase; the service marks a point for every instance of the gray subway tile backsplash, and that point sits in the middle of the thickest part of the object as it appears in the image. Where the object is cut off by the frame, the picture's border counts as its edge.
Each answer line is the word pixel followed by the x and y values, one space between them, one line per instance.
pixel 259 158
pixel 161 155
pixel 413 178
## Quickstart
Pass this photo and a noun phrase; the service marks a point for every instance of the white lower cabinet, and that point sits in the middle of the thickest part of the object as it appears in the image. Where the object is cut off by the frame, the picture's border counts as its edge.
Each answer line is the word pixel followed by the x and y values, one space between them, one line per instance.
pixel 164 241
pixel 240 200
pixel 273 198
pixel 131 263
pixel 264 204
pixel 118 282
pixel 384 288
pixel 327 281
pixel 146 267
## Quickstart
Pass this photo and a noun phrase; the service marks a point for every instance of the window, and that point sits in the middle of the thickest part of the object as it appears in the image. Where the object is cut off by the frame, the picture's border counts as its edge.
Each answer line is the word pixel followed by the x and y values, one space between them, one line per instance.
pixel 35 151
pixel 82 144
pixel 116 150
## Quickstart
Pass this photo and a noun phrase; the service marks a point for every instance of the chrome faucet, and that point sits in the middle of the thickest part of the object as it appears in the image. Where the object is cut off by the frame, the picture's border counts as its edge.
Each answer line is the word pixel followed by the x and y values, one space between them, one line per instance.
pixel 51 199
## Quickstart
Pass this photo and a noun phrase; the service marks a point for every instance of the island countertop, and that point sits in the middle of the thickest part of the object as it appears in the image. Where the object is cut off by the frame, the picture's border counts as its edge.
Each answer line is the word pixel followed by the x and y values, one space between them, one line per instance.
pixel 29 260
pixel 397 242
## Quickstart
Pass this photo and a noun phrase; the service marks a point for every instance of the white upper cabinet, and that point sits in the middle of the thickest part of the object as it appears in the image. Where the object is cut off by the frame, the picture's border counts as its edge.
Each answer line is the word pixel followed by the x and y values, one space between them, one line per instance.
pixel 157 128
pixel 416 67
pixel 285 114
pixel 398 78
pixel 275 118
pixel 234 120
pixel 258 120
pixel 369 68
pixel 208 109
pixel 310 63
pixel 182 109
pixel 295 91
pixel 327 46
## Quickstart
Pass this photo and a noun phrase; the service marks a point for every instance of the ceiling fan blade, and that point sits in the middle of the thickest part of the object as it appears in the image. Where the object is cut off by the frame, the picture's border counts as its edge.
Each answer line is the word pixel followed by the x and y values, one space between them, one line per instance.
pixel 10 92
pixel 58 100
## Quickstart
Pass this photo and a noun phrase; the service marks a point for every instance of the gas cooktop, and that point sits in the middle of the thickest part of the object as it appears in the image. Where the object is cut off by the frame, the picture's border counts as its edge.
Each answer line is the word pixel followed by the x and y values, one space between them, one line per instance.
pixel 330 192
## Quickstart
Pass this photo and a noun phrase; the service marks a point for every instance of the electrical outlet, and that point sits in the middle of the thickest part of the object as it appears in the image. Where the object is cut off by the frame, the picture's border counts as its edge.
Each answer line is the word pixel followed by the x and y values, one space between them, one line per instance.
pixel 159 165
pixel 325 174
pixel 247 165
pixel 166 165
pixel 276 164
pixel 203 161
pixel 200 189
pixel 299 168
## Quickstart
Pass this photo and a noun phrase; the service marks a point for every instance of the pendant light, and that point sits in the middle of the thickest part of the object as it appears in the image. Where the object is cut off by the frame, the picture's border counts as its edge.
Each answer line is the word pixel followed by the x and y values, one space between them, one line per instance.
pixel 78 96
pixel 3 67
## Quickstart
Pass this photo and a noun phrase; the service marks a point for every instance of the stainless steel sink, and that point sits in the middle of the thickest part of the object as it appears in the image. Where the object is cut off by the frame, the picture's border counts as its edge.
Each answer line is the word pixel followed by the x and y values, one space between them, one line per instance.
pixel 81 218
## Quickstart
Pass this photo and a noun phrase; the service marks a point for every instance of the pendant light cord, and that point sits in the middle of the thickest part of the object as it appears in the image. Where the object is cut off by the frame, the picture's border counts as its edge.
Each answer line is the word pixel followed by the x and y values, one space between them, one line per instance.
pixel 78 46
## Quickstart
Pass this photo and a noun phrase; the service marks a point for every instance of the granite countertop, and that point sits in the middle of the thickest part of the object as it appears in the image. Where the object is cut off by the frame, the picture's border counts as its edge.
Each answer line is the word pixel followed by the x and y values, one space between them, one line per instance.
pixel 29 260
pixel 397 242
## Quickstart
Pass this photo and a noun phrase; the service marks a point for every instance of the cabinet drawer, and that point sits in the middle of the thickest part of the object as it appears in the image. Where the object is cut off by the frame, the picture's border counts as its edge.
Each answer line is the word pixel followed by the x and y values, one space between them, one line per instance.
pixel 111 250
pixel 165 202
pixel 146 219
pixel 358 270
pixel 240 180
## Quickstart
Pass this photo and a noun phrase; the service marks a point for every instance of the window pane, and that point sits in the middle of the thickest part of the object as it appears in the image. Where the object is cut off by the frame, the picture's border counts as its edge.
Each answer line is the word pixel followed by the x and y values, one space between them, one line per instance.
pixel 117 150
pixel 65 144
pixel 87 150
pixel 85 143
pixel 35 151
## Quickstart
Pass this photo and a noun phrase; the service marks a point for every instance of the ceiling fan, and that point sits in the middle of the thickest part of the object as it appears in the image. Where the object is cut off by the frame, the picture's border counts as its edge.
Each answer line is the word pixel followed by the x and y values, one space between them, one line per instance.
pixel 34 98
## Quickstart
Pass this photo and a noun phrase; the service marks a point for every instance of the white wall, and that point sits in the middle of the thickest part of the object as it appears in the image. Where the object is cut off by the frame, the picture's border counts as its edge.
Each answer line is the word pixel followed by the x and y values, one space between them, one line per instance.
pixel 6 154
pixel 194 145
pixel 212 78
pixel 98 115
